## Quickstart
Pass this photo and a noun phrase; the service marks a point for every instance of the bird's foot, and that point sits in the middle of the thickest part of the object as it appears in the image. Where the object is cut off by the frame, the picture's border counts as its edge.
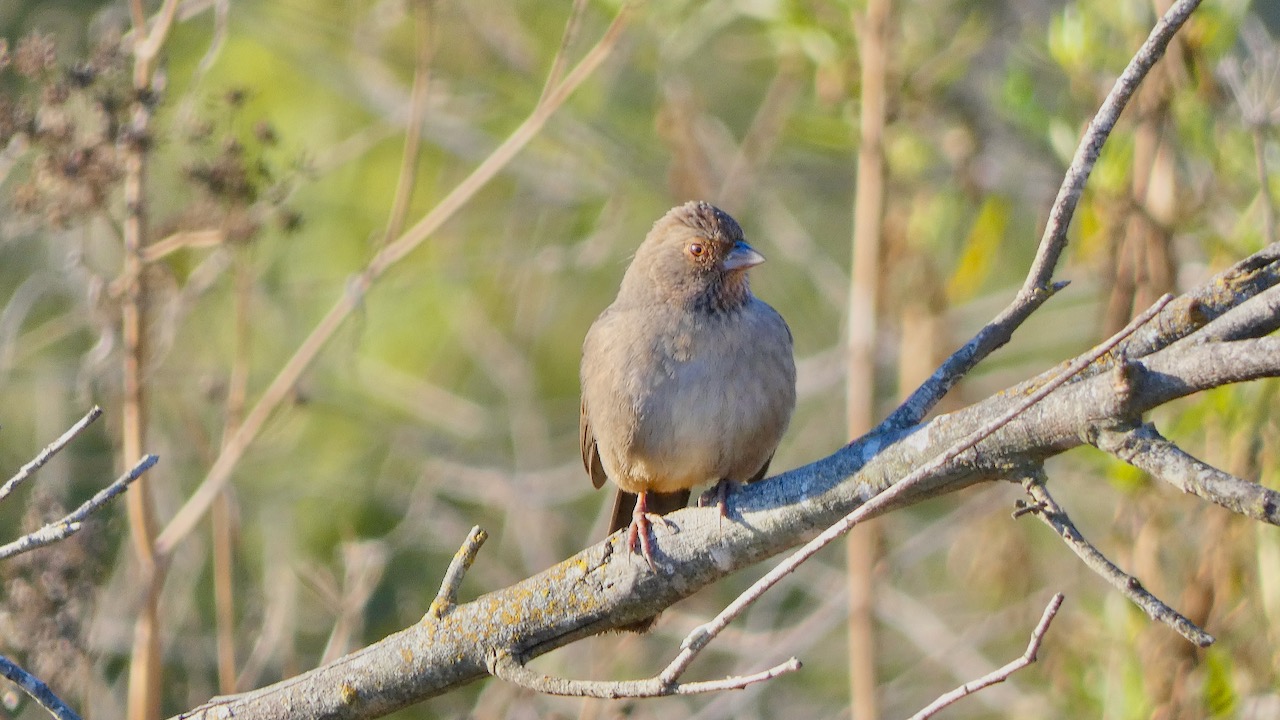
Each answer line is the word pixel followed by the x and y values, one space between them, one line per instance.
pixel 640 537
pixel 719 494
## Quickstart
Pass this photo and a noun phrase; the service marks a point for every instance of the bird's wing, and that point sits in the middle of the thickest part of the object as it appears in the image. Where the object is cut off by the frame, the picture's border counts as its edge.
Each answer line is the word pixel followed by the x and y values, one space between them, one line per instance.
pixel 590 453
pixel 759 473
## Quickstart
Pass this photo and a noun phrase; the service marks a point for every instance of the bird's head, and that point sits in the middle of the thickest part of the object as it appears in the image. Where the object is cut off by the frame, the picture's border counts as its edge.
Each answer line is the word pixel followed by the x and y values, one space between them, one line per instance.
pixel 694 256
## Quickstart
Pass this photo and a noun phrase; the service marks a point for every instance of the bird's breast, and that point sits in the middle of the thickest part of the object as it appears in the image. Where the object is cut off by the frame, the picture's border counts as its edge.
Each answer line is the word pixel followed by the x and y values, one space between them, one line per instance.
pixel 698 398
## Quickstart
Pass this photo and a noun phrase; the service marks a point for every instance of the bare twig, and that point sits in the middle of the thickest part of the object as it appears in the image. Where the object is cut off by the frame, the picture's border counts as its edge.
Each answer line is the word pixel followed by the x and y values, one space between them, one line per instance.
pixel 1146 449
pixel 1037 289
pixel 1001 674
pixel 1209 301
pixel 407 181
pixel 504 665
pixel 178 241
pixel 1053 515
pixel 71 523
pixel 703 634
pixel 1255 317
pixel 220 473
pixel 447 597
pixel 36 688
pixel 571 27
pixel 26 471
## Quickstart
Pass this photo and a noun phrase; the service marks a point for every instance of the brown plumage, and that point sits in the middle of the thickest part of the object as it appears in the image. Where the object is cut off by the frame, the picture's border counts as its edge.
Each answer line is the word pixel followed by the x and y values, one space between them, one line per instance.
pixel 687 378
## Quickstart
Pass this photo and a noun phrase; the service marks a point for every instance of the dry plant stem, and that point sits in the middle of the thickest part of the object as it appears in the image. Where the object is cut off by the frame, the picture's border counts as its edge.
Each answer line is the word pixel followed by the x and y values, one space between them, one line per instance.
pixel 36 689
pixel 413 124
pixel 1053 515
pixel 703 634
pixel 447 596
pixel 220 473
pixel 503 665
pixel 1036 289
pixel 1001 674
pixel 26 471
pixel 571 27
pixel 1146 449
pixel 71 523
pixel 222 517
pixel 145 671
pixel 860 553
pixel 179 240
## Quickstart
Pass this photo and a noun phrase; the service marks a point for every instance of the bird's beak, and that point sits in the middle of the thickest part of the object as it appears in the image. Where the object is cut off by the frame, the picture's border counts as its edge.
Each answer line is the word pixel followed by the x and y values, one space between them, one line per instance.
pixel 741 257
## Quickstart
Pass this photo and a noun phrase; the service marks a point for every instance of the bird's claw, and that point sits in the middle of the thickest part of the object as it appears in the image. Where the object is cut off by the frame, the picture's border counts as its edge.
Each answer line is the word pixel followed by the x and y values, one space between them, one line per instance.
pixel 718 493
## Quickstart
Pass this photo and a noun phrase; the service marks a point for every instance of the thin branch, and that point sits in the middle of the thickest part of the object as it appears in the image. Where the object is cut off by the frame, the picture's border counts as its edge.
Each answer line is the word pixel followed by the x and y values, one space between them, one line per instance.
pixel 220 473
pixel 1054 516
pixel 26 471
pixel 571 27
pixel 1255 317
pixel 703 634
pixel 408 178
pixel 503 665
pixel 1211 300
pixel 178 241
pixel 1001 674
pixel 1146 449
pixel 36 688
pixel 71 523
pixel 447 597
pixel 1036 289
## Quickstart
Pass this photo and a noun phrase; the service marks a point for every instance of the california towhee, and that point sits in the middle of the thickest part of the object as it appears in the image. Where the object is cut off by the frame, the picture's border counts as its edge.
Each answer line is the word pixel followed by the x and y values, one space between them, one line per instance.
pixel 687 378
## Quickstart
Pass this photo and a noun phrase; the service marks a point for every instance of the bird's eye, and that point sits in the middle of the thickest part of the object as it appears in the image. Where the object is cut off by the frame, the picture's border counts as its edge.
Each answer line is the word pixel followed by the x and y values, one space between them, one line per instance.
pixel 697 250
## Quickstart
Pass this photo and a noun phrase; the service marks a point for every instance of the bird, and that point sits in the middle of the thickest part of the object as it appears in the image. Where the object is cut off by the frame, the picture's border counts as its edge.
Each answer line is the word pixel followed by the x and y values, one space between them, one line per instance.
pixel 687 378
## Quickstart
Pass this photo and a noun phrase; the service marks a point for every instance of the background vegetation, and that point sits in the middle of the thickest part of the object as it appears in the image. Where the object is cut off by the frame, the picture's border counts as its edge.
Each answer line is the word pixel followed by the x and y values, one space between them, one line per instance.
pixel 449 397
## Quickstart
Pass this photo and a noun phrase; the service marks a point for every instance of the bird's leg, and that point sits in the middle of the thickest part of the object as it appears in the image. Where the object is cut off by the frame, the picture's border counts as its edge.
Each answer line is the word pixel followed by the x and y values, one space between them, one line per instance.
pixel 720 493
pixel 641 530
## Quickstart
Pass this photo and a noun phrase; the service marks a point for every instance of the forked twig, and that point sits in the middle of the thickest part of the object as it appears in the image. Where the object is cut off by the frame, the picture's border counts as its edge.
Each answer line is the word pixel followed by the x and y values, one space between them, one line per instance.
pixel 1054 516
pixel 1000 674
pixel 71 523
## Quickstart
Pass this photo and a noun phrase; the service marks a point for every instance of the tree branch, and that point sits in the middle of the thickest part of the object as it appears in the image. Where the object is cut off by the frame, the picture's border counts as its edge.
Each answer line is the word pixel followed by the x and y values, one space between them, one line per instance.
pixel 36 689
pixel 503 665
pixel 1000 674
pixel 1146 449
pixel 71 523
pixel 1048 510
pixel 53 448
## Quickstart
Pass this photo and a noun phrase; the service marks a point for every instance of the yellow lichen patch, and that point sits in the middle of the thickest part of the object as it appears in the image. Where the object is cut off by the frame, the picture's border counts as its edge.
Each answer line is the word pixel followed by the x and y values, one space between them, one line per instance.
pixel 406 654
pixel 349 694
